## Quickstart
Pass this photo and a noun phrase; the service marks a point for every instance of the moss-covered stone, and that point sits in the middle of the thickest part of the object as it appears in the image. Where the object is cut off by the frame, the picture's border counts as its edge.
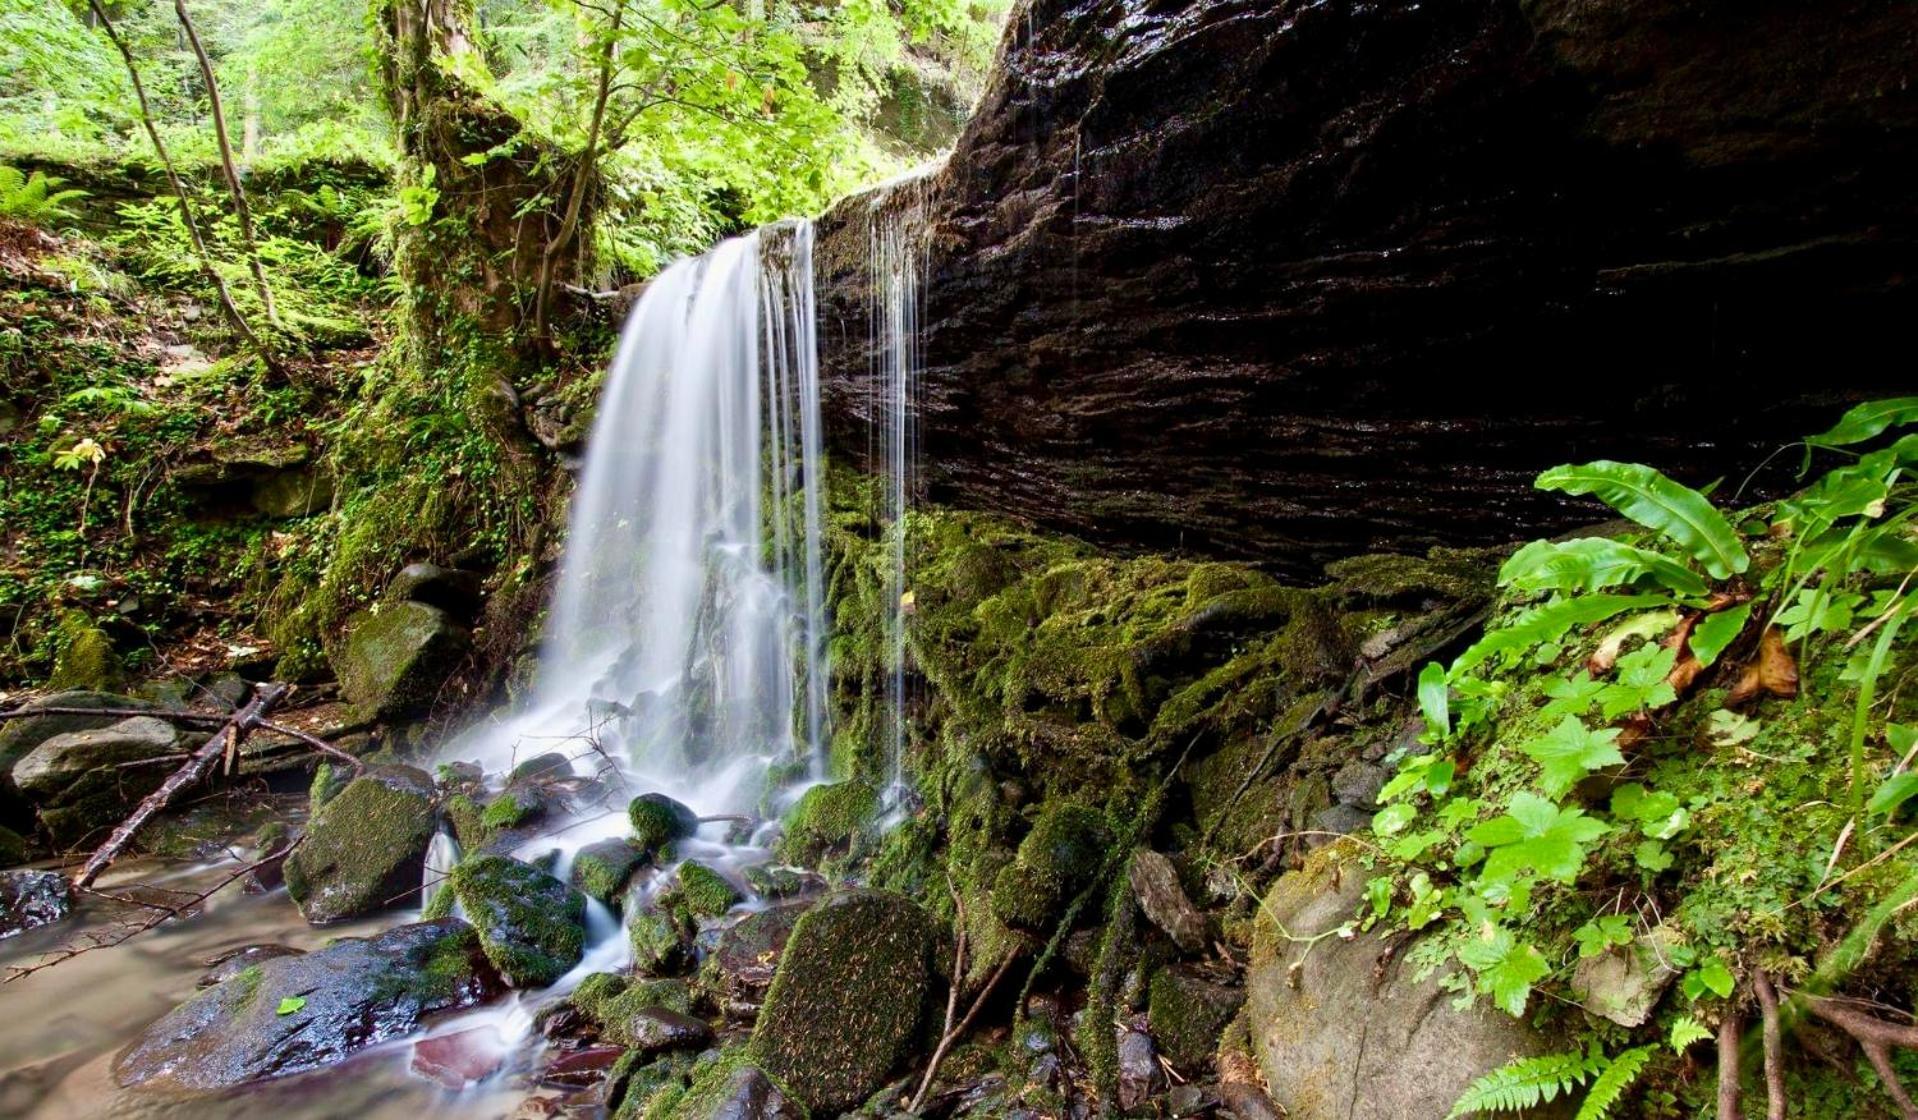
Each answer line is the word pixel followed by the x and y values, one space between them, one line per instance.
pixel 531 925
pixel 511 809
pixel 845 1007
pixel 80 784
pixel 1188 1014
pixel 601 870
pixel 366 848
pixel 700 892
pixel 658 820
pixel 636 1078
pixel 328 781
pixel 826 819
pixel 84 658
pixel 541 768
pixel 397 657
pixel 662 942
pixel 1059 858
pixel 13 848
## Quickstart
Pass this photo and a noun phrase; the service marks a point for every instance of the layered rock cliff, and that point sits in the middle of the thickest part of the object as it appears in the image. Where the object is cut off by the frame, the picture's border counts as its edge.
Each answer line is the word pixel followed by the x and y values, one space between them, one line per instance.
pixel 1286 281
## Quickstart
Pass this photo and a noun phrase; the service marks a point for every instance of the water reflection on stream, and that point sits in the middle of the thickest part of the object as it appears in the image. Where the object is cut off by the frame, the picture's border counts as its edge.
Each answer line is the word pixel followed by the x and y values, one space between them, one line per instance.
pixel 60 1028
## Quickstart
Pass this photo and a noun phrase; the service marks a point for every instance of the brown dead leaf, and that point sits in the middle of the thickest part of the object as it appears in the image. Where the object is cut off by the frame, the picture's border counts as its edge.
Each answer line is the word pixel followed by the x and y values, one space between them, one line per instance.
pixel 1774 672
pixel 1686 669
pixel 1634 731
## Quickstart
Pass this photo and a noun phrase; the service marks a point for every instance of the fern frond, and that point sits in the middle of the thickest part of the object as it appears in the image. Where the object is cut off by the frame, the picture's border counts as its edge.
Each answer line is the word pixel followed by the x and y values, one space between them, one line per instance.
pixel 1528 1082
pixel 1611 1084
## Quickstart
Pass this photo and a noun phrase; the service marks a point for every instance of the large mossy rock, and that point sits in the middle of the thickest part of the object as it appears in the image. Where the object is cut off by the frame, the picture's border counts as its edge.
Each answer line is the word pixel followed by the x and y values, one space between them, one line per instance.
pixel 826 818
pixel 86 659
pixel 846 1004
pixel 1339 1040
pixel 79 783
pixel 19 736
pixel 295 1013
pixel 365 849
pixel 532 926
pixel 658 820
pixel 396 658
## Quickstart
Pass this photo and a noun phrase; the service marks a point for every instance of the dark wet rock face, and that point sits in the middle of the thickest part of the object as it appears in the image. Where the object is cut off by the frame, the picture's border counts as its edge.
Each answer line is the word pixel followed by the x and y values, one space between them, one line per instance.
pixel 1290 281
pixel 365 849
pixel 291 1014
pixel 30 899
pixel 83 782
pixel 747 957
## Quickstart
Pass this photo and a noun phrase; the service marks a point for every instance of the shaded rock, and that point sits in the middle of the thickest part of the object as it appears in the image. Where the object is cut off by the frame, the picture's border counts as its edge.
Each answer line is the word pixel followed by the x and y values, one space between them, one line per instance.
pixel 662 942
pixel 294 493
pixel 351 995
pixel 846 1003
pixel 547 767
pixel 226 966
pixel 396 658
pixel 1341 819
pixel 1625 983
pixel 746 959
pixel 30 899
pixel 772 881
pixel 77 781
pixel 1340 1039
pixel 1056 860
pixel 601 870
pixel 1140 1075
pixel 459 1060
pixel 453 590
pixel 582 1068
pixel 14 849
pixel 658 1029
pixel 1358 784
pixel 365 849
pixel 18 737
pixel 1155 883
pixel 531 925
pixel 743 1092
pixel 658 820
pixel 1225 252
pixel 1187 1014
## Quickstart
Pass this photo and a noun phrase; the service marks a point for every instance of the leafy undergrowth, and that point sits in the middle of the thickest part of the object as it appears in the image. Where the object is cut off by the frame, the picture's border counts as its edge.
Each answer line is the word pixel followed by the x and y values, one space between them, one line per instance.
pixel 1687 753
pixel 135 443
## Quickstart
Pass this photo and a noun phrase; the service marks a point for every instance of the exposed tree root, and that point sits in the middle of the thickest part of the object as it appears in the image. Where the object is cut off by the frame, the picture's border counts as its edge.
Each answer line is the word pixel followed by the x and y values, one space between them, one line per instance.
pixel 1774 1047
pixel 1728 1092
pixel 1875 1037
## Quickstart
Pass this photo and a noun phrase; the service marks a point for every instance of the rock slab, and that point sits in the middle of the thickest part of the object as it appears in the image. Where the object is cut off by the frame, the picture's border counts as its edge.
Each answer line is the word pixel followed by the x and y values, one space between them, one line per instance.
pixel 365 849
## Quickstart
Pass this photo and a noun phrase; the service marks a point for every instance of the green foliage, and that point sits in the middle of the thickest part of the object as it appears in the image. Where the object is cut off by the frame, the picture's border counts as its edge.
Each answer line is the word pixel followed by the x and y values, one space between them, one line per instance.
pixel 1594 564
pixel 35 198
pixel 1679 513
pixel 1618 1076
pixel 1526 1083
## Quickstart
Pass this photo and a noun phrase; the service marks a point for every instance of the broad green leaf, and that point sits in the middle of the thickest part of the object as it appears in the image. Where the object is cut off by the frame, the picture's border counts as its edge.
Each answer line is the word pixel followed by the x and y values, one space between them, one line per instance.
pixel 1593 564
pixel 1716 631
pixel 1893 793
pixel 1818 611
pixel 1506 968
pixel 1600 934
pixel 1393 818
pixel 1546 623
pixel 1641 682
pixel 1710 976
pixel 1867 420
pixel 1571 696
pixel 1536 835
pixel 1434 701
pixel 1680 513
pixel 1570 751
pixel 290 1005
pixel 1652 856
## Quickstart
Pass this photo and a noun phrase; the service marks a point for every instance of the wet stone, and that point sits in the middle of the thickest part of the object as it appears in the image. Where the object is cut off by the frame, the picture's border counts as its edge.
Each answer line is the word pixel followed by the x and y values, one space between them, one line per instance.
pixel 459 1060
pixel 30 899
pixel 226 966
pixel 655 1030
pixel 1155 883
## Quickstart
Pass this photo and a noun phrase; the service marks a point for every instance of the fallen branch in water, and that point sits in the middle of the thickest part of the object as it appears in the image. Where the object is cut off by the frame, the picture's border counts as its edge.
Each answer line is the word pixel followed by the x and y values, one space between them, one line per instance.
pixel 121 713
pixel 161 915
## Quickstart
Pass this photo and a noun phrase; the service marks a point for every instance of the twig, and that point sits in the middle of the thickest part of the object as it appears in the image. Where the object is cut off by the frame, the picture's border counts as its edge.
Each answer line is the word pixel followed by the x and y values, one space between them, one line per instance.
pixel 958 1032
pixel 313 741
pixel 1875 1037
pixel 121 713
pixel 1774 1047
pixel 162 914
pixel 1728 1032
pixel 220 744
pixel 952 993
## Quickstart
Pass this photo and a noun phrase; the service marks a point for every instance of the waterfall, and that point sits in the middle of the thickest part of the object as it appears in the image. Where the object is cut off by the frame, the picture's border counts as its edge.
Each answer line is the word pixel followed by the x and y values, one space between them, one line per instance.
pixel 897 251
pixel 685 643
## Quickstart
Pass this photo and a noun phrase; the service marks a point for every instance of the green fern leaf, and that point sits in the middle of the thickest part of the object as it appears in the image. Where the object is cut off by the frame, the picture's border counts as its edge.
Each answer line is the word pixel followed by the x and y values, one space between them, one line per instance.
pixel 1593 564
pixel 1548 623
pixel 1656 502
pixel 1611 1084
pixel 1527 1083
pixel 1866 421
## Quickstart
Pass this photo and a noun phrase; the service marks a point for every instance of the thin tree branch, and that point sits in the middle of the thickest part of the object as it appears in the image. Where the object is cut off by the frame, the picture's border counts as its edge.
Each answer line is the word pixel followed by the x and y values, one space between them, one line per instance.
pixel 233 184
pixel 582 177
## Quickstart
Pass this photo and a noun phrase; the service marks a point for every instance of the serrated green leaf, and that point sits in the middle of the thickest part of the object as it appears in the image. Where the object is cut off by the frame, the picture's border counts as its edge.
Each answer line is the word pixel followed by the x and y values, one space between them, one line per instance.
pixel 1571 696
pixel 1678 512
pixel 1593 564
pixel 1570 751
pixel 1641 683
pixel 1686 1031
pixel 1716 631
pixel 1547 623
pixel 1536 835
pixel 1728 728
pixel 1652 856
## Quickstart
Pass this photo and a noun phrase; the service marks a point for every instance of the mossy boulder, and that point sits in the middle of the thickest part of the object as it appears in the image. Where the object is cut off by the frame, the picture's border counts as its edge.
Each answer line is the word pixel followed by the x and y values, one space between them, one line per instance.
pixel 396 658
pixel 826 819
pixel 79 782
pixel 602 870
pixel 699 892
pixel 291 1014
pixel 531 925
pixel 658 821
pixel 85 658
pixel 328 782
pixel 365 849
pixel 662 942
pixel 513 808
pixel 845 1008
pixel 1188 1014
pixel 732 1089
pixel 547 767
pixel 1059 858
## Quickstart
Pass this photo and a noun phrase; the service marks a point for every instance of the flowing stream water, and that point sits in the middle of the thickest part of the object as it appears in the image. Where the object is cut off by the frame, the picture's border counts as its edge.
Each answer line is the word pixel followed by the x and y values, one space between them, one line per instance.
pixel 684 653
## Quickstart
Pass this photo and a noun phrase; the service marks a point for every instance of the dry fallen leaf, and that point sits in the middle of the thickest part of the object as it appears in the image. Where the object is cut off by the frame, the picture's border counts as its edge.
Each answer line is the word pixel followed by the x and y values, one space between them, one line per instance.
pixel 1775 672
pixel 1687 668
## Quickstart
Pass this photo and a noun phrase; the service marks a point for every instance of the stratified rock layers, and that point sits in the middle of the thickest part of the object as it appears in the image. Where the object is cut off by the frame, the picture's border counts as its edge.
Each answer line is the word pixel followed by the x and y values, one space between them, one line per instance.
pixel 1288 281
